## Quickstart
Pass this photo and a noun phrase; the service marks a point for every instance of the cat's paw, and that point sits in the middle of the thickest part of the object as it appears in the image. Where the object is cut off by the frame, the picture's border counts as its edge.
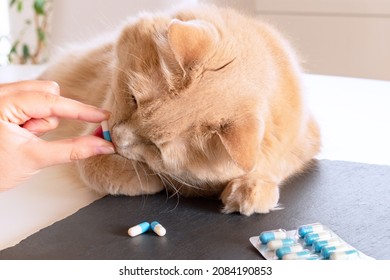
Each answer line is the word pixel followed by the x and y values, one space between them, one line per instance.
pixel 115 175
pixel 249 195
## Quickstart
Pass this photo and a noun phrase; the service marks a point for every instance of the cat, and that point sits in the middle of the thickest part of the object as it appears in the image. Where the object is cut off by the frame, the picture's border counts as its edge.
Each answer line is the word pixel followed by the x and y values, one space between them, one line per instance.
pixel 205 101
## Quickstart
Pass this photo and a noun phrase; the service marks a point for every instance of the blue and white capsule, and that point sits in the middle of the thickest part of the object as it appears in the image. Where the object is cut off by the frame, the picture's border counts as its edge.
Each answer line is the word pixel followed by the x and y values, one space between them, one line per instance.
pixel 138 229
pixel 311 237
pixel 279 243
pixel 158 228
pixel 320 243
pixel 351 254
pixel 311 228
pixel 267 236
pixel 297 256
pixel 312 257
pixel 106 131
pixel 328 250
pixel 288 249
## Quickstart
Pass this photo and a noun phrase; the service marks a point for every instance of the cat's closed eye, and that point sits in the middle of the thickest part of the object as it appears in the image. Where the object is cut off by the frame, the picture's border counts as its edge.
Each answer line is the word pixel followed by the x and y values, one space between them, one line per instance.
pixel 223 66
pixel 134 100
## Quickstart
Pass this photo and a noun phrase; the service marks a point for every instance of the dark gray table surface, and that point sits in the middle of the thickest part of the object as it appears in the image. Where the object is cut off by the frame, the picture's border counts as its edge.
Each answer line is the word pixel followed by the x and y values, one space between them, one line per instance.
pixel 353 199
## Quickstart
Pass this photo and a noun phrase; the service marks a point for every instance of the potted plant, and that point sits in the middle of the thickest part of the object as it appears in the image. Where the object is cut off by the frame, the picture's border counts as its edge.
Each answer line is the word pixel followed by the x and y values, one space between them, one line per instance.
pixel 33 51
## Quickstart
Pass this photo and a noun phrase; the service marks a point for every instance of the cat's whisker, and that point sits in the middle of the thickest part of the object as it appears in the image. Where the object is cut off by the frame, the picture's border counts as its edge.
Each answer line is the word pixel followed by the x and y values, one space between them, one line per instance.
pixel 169 181
pixel 166 181
pixel 138 176
pixel 165 185
pixel 183 182
pixel 176 193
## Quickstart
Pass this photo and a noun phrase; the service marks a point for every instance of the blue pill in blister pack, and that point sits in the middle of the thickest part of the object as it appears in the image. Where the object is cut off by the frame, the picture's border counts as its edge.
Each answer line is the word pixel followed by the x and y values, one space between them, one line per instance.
pixel 307 242
pixel 267 236
pixel 303 230
pixel 278 243
pixel 311 237
pixel 288 249
pixel 326 251
pixel 350 254
pixel 297 255
pixel 320 243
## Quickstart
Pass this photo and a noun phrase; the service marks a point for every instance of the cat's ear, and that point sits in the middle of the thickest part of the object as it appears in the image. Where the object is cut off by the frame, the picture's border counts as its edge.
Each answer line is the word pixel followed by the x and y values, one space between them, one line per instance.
pixel 191 40
pixel 242 141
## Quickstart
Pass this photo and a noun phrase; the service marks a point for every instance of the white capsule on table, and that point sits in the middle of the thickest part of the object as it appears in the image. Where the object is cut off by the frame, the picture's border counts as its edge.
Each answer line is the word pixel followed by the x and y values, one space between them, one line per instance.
pixel 267 236
pixel 311 237
pixel 278 243
pixel 138 229
pixel 351 254
pixel 305 229
pixel 158 228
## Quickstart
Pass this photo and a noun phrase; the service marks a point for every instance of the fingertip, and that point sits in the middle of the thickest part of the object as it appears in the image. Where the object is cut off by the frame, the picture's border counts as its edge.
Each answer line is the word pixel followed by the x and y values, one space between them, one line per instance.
pixel 91 113
pixel 107 114
pixel 105 150
pixel 99 145
pixel 88 146
pixel 70 150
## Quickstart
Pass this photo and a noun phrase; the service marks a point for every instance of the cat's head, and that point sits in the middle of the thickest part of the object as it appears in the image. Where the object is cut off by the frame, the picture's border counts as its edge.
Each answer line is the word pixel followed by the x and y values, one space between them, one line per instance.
pixel 185 96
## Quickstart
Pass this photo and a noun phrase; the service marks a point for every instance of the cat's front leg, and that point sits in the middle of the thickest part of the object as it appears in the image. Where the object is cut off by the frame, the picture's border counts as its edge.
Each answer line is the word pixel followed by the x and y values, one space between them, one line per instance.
pixel 115 174
pixel 250 194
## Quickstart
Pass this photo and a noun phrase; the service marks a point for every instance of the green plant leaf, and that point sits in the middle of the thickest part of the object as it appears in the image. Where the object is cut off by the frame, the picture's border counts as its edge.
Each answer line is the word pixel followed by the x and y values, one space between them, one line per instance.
pixel 26 51
pixel 41 34
pixel 20 6
pixel 13 50
pixel 12 2
pixel 14 47
pixel 39 7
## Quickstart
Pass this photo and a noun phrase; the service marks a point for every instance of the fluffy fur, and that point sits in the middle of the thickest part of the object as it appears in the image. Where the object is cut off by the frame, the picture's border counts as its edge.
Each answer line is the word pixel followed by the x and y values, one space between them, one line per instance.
pixel 204 102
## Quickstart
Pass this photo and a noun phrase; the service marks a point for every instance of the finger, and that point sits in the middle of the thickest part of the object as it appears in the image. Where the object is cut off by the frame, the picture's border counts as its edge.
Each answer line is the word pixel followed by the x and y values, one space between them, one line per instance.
pixel 32 86
pixel 42 105
pixel 41 126
pixel 68 150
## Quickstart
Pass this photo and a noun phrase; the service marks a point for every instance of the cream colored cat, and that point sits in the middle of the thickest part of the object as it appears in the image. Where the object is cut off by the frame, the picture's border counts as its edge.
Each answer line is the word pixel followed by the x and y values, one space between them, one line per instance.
pixel 204 102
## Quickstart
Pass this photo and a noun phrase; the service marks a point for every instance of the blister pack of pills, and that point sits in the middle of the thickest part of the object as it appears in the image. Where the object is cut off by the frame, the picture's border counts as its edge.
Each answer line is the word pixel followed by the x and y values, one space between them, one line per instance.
pixel 308 242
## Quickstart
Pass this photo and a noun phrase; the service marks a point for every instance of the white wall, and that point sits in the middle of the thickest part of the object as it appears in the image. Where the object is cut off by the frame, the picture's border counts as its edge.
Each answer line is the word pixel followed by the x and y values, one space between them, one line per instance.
pixel 75 21
pixel 338 37
pixel 79 20
pixel 245 6
pixel 335 37
pixel 5 44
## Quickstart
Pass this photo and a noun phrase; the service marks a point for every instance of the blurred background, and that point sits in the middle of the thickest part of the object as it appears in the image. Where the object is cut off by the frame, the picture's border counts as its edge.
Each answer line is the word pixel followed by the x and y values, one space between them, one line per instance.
pixel 332 37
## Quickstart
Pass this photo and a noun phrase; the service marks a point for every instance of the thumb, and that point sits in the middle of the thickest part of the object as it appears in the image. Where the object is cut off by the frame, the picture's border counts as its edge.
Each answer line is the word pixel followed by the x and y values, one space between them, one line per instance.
pixel 68 150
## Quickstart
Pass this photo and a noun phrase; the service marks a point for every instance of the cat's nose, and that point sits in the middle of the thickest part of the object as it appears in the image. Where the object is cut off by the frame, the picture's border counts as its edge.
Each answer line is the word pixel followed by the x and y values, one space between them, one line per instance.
pixel 122 137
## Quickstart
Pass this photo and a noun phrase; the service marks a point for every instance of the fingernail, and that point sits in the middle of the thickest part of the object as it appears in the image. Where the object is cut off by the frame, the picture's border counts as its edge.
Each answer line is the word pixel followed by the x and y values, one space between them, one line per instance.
pixel 105 150
pixel 105 112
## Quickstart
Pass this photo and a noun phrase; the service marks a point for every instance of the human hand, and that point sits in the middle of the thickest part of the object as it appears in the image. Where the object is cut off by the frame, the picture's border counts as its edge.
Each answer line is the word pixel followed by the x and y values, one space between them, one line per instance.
pixel 28 109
